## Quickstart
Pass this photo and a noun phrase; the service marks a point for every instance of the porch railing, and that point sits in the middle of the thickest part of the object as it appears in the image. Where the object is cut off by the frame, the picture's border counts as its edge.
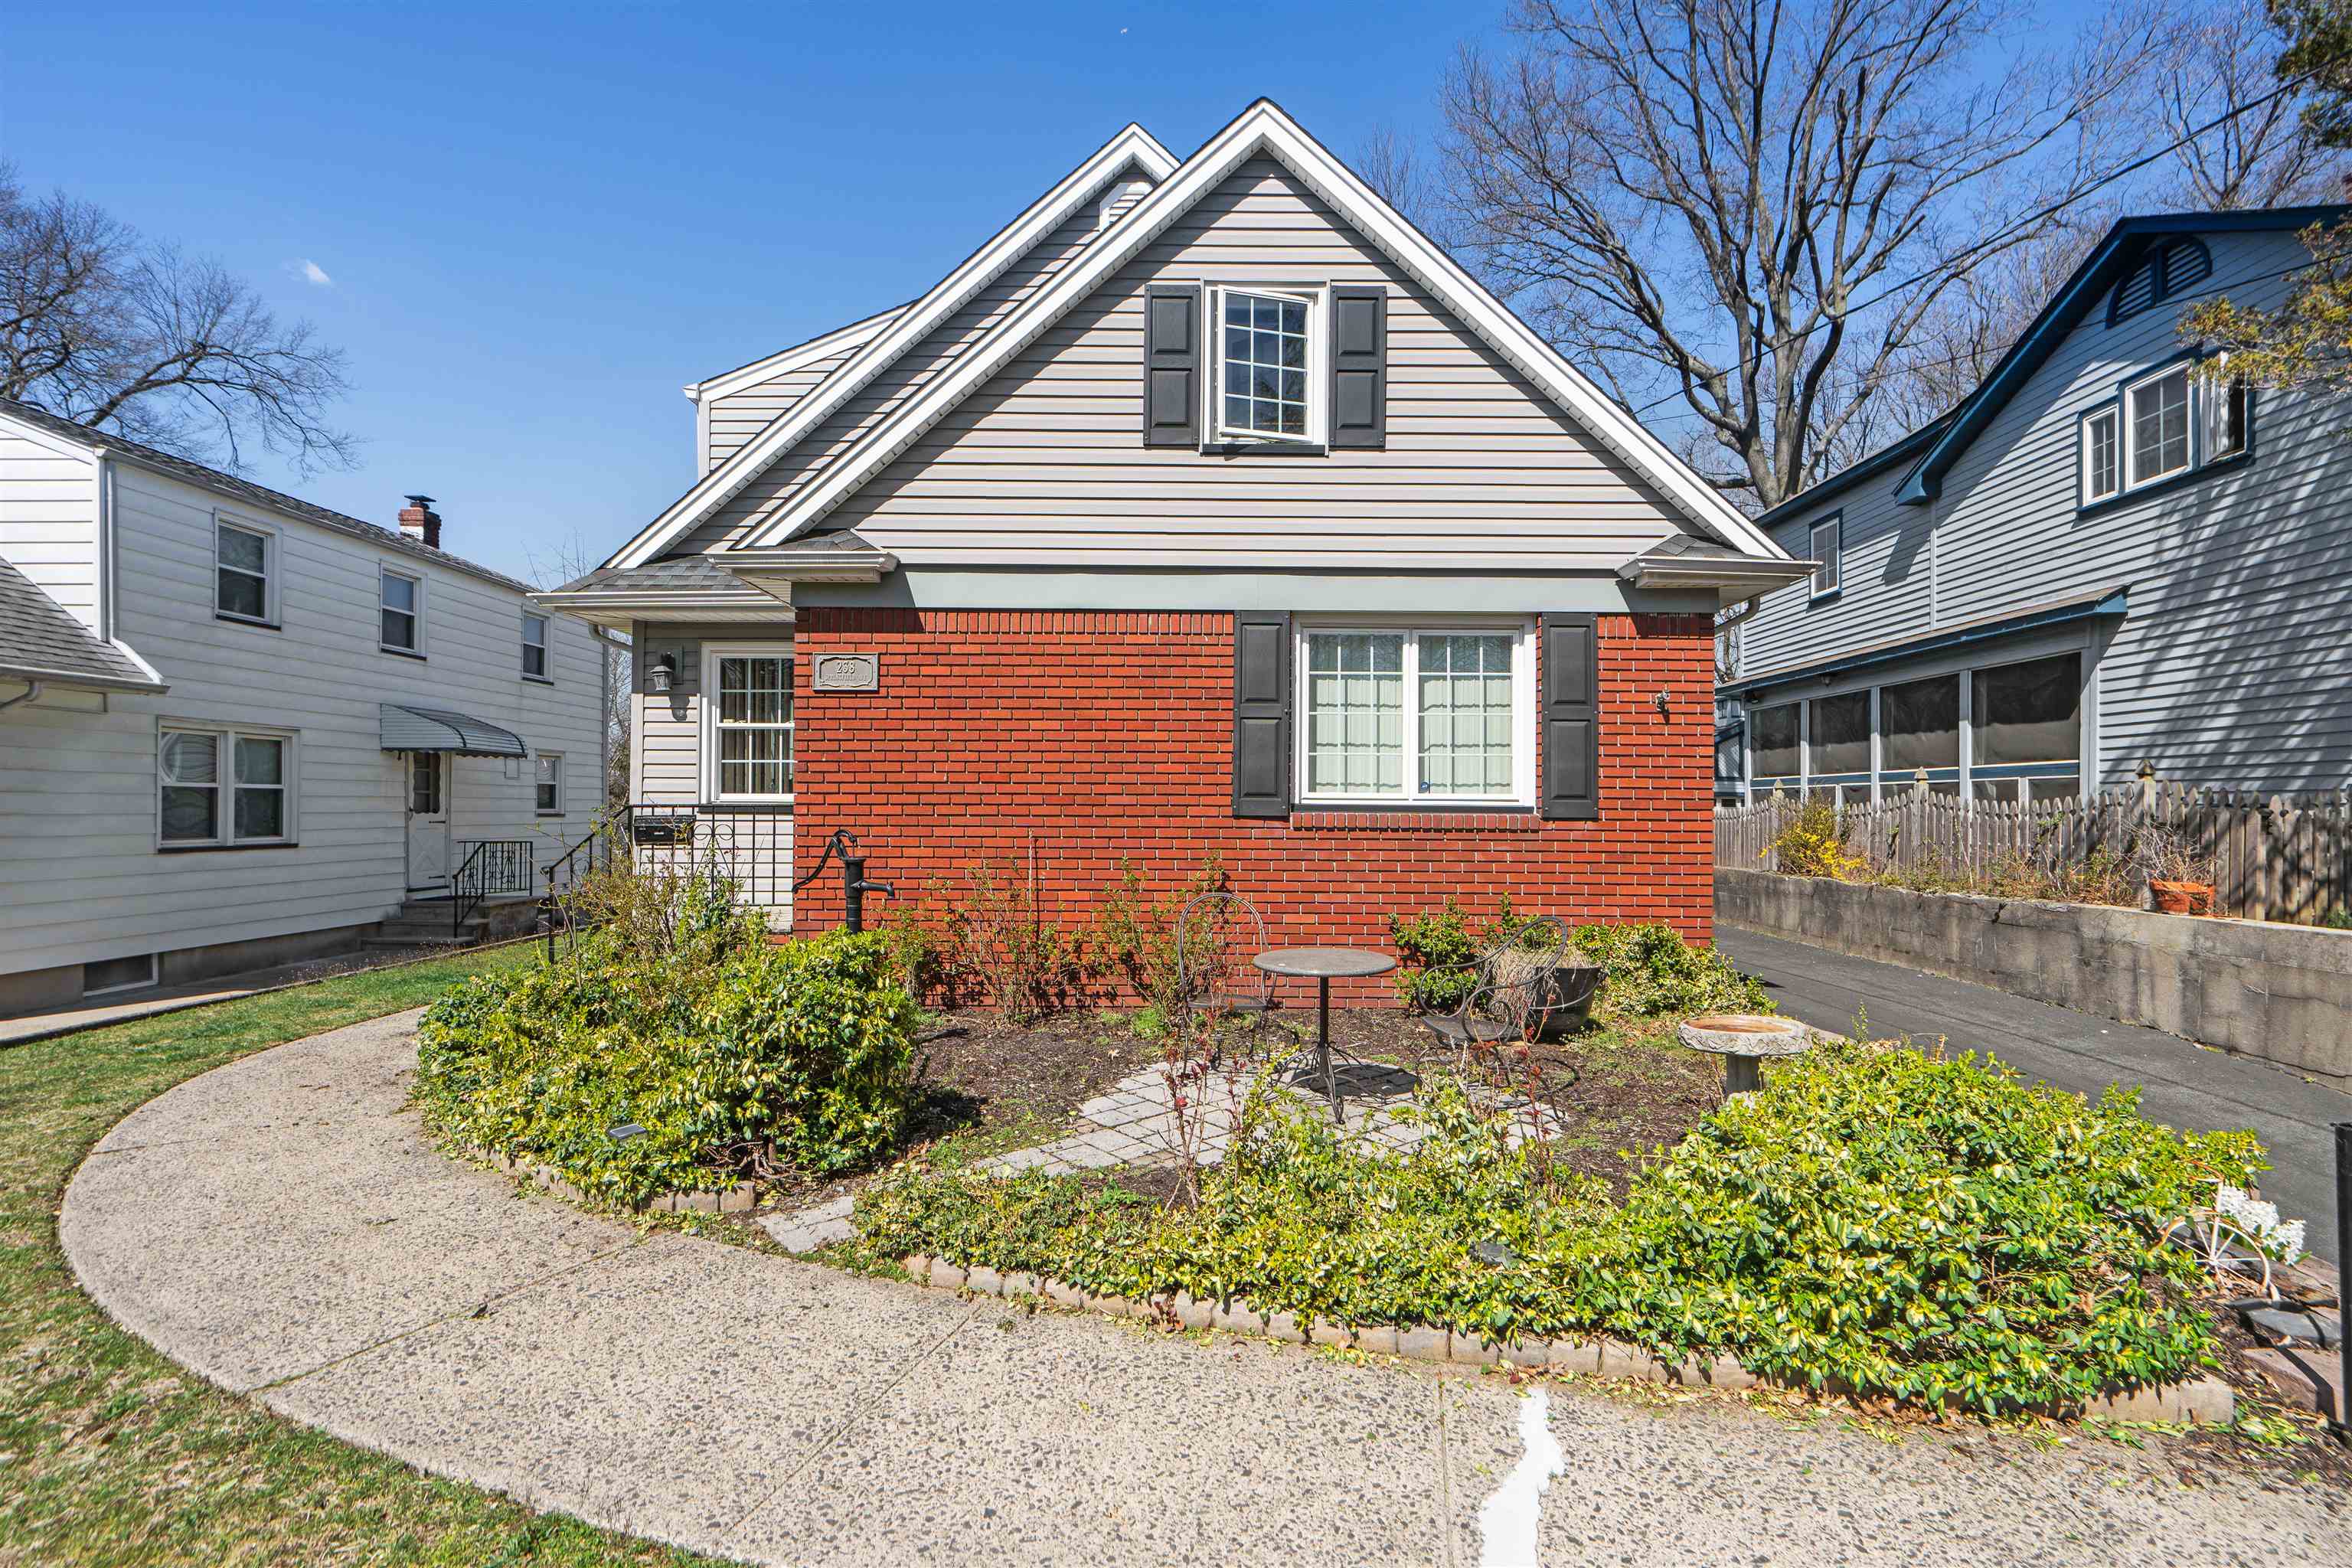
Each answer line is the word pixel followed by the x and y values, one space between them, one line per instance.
pixel 751 847
pixel 493 866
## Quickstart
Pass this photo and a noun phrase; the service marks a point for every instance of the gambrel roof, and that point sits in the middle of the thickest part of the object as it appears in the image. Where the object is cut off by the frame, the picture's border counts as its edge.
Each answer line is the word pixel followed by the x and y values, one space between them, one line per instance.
pixel 1262 130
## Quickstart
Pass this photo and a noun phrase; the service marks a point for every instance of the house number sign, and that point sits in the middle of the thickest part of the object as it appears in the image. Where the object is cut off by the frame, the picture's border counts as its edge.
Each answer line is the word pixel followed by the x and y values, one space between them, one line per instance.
pixel 846 672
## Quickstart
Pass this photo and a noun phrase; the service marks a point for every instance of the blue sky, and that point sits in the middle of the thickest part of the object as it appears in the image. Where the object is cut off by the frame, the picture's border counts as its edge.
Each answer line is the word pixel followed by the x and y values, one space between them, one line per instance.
pixel 536 226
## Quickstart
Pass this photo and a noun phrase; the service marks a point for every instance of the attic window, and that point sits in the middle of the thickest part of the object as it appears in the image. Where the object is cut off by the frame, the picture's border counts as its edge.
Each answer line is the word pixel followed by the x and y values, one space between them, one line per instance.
pixel 1267 350
pixel 2168 270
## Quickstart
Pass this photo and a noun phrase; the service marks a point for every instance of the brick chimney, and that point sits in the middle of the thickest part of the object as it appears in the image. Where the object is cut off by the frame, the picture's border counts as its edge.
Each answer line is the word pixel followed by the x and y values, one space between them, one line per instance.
pixel 420 522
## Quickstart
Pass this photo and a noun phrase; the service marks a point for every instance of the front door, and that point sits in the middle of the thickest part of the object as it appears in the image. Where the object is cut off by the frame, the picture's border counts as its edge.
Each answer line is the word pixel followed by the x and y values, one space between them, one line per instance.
pixel 428 821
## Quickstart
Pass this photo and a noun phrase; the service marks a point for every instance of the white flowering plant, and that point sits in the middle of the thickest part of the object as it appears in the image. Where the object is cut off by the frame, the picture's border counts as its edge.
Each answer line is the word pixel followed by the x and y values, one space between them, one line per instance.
pixel 2241 1235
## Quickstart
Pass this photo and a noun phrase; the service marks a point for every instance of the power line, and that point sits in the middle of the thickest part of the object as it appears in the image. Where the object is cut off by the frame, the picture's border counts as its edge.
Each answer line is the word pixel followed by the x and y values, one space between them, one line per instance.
pixel 1947 265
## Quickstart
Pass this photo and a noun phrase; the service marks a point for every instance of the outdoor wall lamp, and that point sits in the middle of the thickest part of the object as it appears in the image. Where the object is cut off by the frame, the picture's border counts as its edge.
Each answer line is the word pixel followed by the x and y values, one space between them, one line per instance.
pixel 1659 702
pixel 662 674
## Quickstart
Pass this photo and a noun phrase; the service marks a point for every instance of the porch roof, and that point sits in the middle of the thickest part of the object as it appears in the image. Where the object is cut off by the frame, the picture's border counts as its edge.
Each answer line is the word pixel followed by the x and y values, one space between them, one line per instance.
pixel 409 728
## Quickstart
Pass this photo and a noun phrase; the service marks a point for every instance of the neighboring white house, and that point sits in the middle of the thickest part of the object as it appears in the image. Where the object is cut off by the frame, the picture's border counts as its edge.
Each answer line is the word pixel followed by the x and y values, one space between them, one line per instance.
pixel 237 727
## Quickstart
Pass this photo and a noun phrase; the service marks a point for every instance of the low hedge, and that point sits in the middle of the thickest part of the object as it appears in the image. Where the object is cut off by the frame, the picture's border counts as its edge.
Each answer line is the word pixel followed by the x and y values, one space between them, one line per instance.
pixel 737 1056
pixel 1649 970
pixel 1935 1231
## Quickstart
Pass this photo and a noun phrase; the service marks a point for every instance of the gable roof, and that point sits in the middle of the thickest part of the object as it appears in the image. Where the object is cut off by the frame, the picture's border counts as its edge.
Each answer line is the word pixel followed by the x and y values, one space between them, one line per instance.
pixel 785 360
pixel 41 640
pixel 1263 128
pixel 93 440
pixel 2110 259
pixel 1132 147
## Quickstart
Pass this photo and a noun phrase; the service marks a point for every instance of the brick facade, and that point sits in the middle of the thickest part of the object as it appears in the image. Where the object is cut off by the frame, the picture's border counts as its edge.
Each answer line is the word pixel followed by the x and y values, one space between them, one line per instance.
pixel 1052 744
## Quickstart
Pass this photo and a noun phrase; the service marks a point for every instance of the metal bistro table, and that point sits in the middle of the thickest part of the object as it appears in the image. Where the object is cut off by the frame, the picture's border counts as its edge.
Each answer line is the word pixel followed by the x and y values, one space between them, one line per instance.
pixel 1322 964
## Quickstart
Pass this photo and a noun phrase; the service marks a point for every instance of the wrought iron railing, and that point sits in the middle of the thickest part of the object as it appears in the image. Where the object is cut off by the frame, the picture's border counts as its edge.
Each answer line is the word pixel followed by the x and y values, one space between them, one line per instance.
pixel 494 865
pixel 749 847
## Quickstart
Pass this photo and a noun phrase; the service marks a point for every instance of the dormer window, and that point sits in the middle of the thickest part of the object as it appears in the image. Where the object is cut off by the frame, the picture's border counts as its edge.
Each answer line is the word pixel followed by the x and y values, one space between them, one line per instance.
pixel 1268 355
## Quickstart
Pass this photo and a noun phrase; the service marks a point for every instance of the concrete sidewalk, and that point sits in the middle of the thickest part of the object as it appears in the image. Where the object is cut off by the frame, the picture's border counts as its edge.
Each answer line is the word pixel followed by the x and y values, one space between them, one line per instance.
pixel 2182 1085
pixel 281 1226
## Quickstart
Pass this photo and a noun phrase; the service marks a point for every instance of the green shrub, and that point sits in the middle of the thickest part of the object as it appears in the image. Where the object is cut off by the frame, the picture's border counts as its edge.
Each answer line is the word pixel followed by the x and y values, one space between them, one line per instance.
pixel 1937 1232
pixel 1439 950
pixel 1649 969
pixel 1651 972
pixel 1135 936
pixel 756 1057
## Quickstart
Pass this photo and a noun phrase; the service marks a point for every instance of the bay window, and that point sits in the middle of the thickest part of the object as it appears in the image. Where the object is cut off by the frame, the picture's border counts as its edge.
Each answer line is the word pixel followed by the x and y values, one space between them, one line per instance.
pixel 1410 714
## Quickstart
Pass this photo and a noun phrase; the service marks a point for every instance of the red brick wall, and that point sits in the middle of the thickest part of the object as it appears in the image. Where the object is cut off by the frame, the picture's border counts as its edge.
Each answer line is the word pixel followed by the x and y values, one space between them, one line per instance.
pixel 1064 740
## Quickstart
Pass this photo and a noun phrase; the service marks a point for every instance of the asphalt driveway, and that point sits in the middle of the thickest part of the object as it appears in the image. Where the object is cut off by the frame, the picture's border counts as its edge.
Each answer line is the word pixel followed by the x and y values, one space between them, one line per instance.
pixel 2183 1084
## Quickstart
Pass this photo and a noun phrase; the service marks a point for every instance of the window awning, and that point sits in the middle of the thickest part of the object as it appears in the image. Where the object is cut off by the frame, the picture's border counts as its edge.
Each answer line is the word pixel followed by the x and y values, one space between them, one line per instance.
pixel 407 728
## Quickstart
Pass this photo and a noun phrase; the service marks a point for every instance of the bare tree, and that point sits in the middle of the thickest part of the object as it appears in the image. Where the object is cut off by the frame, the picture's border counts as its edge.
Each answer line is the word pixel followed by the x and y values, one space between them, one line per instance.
pixel 1701 198
pixel 2265 153
pixel 101 325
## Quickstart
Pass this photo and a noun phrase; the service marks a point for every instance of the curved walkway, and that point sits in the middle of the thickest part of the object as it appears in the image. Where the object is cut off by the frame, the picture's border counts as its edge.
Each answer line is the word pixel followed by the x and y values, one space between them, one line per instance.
pixel 281 1226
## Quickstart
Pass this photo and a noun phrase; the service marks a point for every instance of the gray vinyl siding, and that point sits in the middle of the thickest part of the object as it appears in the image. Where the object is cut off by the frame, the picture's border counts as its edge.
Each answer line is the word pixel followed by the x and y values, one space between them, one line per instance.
pixel 2233 662
pixel 667 737
pixel 735 418
pixel 897 382
pixel 1043 463
pixel 78 777
pixel 48 522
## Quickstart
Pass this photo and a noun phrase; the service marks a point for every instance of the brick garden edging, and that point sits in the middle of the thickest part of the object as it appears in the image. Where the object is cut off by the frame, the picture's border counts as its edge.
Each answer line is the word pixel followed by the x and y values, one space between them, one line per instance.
pixel 2207 1400
pixel 737 1199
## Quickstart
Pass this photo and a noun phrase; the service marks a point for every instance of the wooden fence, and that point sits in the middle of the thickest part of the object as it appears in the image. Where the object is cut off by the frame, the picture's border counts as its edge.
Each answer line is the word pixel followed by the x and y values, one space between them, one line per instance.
pixel 2279 859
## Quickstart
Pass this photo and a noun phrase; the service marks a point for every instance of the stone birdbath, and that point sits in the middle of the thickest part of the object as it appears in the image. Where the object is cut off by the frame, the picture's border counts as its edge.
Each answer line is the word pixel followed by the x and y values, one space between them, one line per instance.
pixel 1743 1040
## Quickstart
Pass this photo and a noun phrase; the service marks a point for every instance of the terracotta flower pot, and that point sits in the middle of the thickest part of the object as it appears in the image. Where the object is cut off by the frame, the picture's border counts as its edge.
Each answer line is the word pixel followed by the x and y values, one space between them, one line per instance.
pixel 2182 897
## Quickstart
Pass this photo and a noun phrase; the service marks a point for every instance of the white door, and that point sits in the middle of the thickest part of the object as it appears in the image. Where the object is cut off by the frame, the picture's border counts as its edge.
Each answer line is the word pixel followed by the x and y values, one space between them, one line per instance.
pixel 428 821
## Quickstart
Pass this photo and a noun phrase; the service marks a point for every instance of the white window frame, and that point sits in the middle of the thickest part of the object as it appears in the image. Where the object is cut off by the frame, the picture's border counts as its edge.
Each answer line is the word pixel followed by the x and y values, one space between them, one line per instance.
pixel 546 645
pixel 558 807
pixel 1832 561
pixel 2211 392
pixel 271 566
pixel 225 786
pixel 383 574
pixel 2111 414
pixel 711 653
pixel 2132 478
pixel 1317 299
pixel 1522 632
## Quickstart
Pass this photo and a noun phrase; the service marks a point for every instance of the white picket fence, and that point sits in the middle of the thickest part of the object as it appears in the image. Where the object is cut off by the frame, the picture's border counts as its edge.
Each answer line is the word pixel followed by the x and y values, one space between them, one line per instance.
pixel 2276 858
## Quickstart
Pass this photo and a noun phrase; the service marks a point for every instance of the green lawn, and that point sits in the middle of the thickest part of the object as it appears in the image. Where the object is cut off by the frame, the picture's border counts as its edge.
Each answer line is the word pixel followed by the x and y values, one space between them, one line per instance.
pixel 109 1453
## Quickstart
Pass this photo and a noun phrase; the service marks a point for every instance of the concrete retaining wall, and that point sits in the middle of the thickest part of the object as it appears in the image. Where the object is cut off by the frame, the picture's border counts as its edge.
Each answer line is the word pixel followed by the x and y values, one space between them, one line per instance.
pixel 2282 992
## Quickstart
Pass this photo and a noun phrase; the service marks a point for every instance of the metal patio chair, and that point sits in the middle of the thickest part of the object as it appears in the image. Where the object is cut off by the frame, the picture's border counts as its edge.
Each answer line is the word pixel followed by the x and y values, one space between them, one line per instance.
pixel 1515 989
pixel 1217 934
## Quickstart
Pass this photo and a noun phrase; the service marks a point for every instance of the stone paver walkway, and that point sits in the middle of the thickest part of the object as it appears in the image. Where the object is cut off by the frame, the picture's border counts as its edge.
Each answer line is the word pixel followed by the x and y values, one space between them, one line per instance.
pixel 282 1226
pixel 1134 1124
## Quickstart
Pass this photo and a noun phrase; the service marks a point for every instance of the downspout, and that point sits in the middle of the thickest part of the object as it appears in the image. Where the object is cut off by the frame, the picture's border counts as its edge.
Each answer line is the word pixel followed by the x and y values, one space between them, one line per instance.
pixel 32 689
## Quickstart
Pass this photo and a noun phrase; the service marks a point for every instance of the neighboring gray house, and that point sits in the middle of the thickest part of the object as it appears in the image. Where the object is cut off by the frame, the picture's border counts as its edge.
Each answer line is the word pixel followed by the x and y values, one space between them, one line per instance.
pixel 237 727
pixel 2109 553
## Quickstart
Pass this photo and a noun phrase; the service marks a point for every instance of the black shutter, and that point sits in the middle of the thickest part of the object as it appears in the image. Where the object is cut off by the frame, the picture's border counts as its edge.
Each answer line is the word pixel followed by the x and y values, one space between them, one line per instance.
pixel 1171 366
pixel 1360 365
pixel 1261 714
pixel 1571 718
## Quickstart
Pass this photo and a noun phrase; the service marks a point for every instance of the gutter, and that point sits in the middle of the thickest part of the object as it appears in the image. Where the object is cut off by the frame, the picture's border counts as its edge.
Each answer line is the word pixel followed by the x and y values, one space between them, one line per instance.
pixel 41 673
pixel 2113 602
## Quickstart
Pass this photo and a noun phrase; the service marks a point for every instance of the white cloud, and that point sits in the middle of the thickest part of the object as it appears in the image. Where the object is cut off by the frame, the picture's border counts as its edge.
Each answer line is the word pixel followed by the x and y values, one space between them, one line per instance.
pixel 310 271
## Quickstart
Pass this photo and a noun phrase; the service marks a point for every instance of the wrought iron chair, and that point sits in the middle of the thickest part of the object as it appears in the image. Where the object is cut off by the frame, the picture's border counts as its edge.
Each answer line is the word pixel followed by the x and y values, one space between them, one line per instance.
pixel 1216 936
pixel 1515 989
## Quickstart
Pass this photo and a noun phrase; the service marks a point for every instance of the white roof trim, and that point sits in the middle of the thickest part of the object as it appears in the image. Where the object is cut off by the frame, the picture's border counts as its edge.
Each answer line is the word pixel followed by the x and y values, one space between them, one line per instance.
pixel 784 361
pixel 1263 127
pixel 1132 145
